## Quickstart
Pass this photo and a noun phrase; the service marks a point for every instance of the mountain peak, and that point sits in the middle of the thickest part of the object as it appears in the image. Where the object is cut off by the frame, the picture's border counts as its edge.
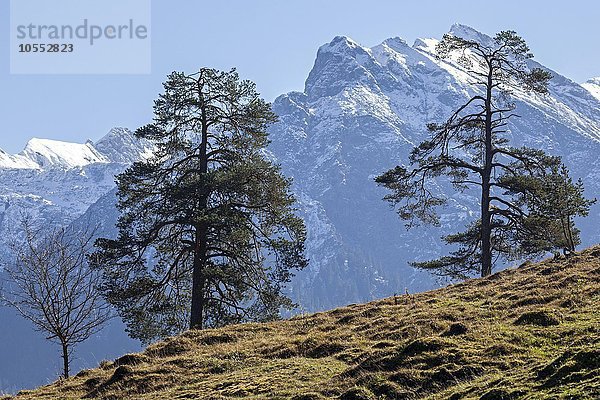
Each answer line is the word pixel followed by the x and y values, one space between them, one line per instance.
pixel 395 43
pixel 121 145
pixel 339 44
pixel 337 62
pixel 468 33
pixel 117 131
pixel 48 152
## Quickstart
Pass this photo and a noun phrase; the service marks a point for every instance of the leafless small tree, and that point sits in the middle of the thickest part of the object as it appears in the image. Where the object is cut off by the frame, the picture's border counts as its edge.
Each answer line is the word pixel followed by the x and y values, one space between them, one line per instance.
pixel 51 284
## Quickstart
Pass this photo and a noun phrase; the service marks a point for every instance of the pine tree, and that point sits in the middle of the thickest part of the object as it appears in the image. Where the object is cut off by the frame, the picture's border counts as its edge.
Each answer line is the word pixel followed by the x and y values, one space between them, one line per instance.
pixel 470 148
pixel 207 233
pixel 553 201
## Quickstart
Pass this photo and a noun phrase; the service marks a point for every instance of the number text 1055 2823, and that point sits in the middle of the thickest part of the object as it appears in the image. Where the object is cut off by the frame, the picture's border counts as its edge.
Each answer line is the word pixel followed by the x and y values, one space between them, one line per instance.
pixel 46 48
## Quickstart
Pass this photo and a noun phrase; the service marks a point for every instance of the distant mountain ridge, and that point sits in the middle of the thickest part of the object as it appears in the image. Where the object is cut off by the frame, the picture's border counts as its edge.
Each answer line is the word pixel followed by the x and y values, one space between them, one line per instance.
pixel 118 146
pixel 58 180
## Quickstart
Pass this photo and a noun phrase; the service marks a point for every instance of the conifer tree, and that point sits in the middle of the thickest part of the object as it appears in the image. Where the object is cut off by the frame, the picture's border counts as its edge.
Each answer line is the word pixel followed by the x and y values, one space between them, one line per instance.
pixel 472 151
pixel 552 201
pixel 207 233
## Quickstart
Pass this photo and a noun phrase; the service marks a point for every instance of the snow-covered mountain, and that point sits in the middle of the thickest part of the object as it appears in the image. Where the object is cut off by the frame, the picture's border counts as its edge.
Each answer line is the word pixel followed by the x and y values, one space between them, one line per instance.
pixel 56 181
pixel 361 112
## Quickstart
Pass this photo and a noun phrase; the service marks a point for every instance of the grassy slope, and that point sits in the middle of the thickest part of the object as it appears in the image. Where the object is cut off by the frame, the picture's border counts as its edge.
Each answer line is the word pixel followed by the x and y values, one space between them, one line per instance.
pixel 531 332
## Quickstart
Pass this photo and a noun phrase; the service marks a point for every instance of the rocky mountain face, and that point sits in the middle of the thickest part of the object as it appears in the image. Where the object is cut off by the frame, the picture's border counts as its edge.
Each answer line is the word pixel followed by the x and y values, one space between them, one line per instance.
pixel 361 112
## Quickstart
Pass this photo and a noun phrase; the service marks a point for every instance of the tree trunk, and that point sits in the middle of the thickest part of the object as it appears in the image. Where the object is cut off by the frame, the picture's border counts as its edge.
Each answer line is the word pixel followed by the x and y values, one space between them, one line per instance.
pixel 65 357
pixel 569 231
pixel 197 314
pixel 198 281
pixel 486 223
pixel 486 232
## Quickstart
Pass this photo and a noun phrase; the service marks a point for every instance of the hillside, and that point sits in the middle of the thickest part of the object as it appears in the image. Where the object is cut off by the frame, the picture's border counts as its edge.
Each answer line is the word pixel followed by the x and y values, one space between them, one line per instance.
pixel 529 332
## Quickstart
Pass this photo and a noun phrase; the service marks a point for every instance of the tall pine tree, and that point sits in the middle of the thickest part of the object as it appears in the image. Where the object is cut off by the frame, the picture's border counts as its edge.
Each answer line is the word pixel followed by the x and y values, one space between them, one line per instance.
pixel 207 233
pixel 472 150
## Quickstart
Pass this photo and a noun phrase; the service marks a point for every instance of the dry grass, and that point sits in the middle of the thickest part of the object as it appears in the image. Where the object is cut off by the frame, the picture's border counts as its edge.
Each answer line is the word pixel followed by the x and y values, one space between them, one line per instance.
pixel 531 332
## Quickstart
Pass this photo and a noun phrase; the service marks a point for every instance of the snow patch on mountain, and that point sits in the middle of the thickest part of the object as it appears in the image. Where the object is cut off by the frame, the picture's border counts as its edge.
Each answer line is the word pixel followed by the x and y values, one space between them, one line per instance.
pixel 16 161
pixel 46 152
pixel 593 86
pixel 425 45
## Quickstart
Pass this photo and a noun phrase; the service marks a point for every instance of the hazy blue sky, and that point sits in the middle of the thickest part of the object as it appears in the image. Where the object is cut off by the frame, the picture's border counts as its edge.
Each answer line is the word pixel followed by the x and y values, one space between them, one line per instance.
pixel 274 44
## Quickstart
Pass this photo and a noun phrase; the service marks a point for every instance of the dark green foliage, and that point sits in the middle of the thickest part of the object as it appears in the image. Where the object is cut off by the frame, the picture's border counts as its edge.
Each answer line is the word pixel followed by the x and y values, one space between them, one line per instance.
pixel 207 234
pixel 527 197
pixel 553 201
